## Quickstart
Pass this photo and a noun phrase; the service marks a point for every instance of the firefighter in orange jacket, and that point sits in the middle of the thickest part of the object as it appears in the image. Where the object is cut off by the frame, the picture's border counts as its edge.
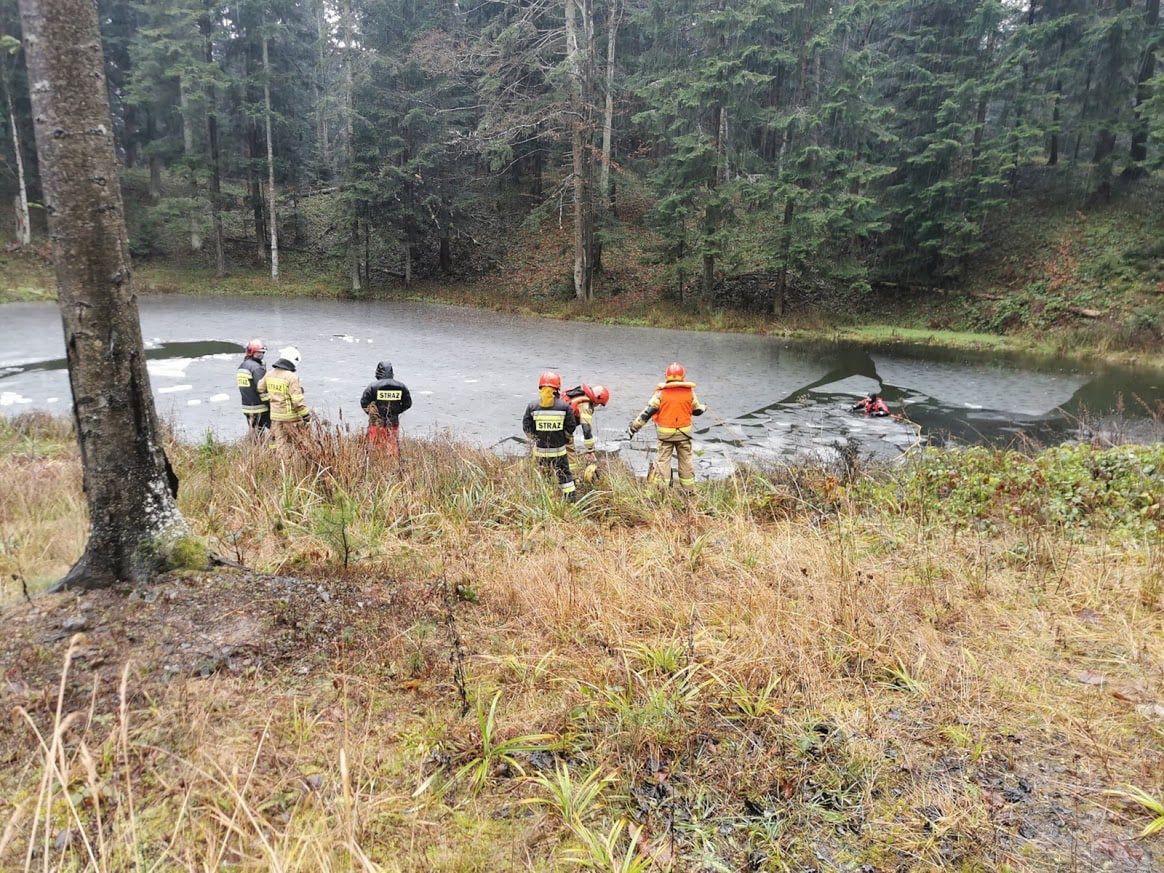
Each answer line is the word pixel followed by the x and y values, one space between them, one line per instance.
pixel 672 406
pixel 550 423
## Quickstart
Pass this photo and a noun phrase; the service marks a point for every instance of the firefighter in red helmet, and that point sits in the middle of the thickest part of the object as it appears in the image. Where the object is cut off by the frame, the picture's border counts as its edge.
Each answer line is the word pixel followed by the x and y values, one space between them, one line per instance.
pixel 250 373
pixel 672 406
pixel 550 423
pixel 585 401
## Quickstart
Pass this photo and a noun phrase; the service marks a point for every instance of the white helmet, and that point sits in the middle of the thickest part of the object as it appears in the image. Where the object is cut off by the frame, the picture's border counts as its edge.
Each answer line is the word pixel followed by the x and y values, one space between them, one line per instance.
pixel 290 353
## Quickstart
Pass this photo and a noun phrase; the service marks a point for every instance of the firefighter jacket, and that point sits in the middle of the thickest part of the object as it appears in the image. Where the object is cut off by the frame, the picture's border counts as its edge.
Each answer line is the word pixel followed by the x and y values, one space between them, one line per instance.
pixel 284 392
pixel 550 427
pixel 583 408
pixel 672 406
pixel 385 398
pixel 248 376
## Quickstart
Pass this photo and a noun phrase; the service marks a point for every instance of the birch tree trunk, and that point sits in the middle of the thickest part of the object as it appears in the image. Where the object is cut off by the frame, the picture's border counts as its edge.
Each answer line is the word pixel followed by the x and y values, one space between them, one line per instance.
pixel 129 484
pixel 188 150
pixel 350 145
pixel 272 218
pixel 23 224
pixel 577 46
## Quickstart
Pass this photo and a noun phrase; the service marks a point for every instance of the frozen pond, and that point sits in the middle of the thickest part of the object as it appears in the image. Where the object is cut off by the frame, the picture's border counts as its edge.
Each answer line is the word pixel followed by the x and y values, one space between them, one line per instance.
pixel 472 372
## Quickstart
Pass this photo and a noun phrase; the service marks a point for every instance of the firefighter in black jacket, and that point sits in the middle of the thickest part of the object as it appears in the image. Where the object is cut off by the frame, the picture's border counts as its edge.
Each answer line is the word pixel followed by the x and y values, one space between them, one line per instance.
pixel 550 423
pixel 384 400
pixel 250 372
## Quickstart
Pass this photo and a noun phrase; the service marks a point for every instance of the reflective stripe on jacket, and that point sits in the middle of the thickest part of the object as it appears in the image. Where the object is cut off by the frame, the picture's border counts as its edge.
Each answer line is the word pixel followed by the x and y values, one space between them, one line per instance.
pixel 250 372
pixel 672 406
pixel 284 392
pixel 550 427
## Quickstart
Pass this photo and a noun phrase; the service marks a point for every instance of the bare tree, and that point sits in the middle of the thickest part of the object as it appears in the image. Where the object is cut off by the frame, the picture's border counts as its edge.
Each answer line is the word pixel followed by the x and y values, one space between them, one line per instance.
pixel 10 46
pixel 272 217
pixel 130 487
pixel 614 18
pixel 580 63
pixel 350 144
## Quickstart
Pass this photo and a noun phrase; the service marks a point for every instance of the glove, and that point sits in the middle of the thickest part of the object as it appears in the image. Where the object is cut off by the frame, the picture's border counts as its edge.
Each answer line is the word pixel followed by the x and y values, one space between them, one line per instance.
pixel 591 458
pixel 630 432
pixel 307 418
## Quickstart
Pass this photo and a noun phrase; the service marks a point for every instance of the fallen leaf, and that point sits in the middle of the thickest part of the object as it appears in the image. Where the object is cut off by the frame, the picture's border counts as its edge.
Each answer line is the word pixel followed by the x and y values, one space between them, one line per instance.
pixel 1089 678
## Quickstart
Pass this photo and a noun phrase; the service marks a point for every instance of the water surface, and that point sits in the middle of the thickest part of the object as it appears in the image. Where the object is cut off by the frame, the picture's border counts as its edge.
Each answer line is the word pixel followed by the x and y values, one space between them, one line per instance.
pixel 472 372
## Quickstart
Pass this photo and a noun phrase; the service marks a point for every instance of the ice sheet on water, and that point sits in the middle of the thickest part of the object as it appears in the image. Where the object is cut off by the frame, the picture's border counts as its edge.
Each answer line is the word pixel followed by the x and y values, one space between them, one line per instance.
pixel 194 402
pixel 169 368
pixel 219 398
pixel 11 398
pixel 170 389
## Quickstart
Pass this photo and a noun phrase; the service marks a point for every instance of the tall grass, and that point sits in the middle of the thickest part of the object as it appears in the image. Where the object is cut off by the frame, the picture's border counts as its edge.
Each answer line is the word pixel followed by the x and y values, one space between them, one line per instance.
pixel 784 664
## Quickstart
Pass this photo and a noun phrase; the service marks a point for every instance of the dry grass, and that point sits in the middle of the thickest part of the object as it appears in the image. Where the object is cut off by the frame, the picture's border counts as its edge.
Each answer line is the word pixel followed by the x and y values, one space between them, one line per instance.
pixel 780 674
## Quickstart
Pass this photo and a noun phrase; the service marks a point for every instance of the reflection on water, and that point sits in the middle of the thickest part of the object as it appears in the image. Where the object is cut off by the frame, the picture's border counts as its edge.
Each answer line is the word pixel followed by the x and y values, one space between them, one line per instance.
pixel 472 373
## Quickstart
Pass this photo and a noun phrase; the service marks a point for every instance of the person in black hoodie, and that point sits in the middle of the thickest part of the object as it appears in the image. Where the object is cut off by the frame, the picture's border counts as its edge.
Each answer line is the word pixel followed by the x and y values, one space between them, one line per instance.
pixel 384 400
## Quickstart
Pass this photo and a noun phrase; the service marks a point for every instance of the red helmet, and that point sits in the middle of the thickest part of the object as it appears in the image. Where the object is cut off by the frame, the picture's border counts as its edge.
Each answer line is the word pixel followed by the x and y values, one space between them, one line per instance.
pixel 550 379
pixel 676 373
pixel 256 348
pixel 600 395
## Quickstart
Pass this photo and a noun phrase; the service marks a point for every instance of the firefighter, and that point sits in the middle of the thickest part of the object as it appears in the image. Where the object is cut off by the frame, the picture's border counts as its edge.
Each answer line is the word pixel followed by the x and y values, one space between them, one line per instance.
pixel 872 405
pixel 583 400
pixel 384 400
pixel 672 406
pixel 284 392
pixel 550 423
pixel 250 372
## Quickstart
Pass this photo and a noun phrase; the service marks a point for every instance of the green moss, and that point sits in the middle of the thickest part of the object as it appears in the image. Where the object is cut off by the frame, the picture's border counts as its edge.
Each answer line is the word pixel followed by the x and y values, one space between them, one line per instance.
pixel 188 553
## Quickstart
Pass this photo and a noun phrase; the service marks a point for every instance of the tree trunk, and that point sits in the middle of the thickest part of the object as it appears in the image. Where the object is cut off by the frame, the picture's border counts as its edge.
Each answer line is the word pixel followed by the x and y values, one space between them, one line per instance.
pixel 272 217
pixel 780 303
pixel 350 145
pixel 324 169
pixel 608 113
pixel 1103 158
pixel 188 150
pixel 130 487
pixel 406 254
pixel 155 163
pixel 1053 151
pixel 1139 147
pixel 446 255
pixel 23 224
pixel 577 47
pixel 205 27
pixel 255 192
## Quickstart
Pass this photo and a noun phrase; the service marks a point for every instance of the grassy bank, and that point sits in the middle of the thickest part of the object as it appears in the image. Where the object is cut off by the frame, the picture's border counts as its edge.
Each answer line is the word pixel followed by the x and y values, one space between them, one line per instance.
pixel 942 665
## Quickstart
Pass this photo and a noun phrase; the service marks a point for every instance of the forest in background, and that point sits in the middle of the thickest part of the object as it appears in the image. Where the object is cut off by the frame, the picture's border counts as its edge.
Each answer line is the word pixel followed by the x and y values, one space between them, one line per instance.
pixel 772 150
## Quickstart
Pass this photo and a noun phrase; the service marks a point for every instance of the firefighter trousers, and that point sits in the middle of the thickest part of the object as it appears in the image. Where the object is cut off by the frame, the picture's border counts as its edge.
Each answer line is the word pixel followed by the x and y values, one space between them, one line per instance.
pixel 289 436
pixel 684 453
pixel 560 466
pixel 385 437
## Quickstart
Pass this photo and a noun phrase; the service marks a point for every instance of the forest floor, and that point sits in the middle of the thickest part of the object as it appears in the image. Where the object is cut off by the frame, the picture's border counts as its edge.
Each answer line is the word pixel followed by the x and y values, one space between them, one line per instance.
pixel 952 663
pixel 1051 280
